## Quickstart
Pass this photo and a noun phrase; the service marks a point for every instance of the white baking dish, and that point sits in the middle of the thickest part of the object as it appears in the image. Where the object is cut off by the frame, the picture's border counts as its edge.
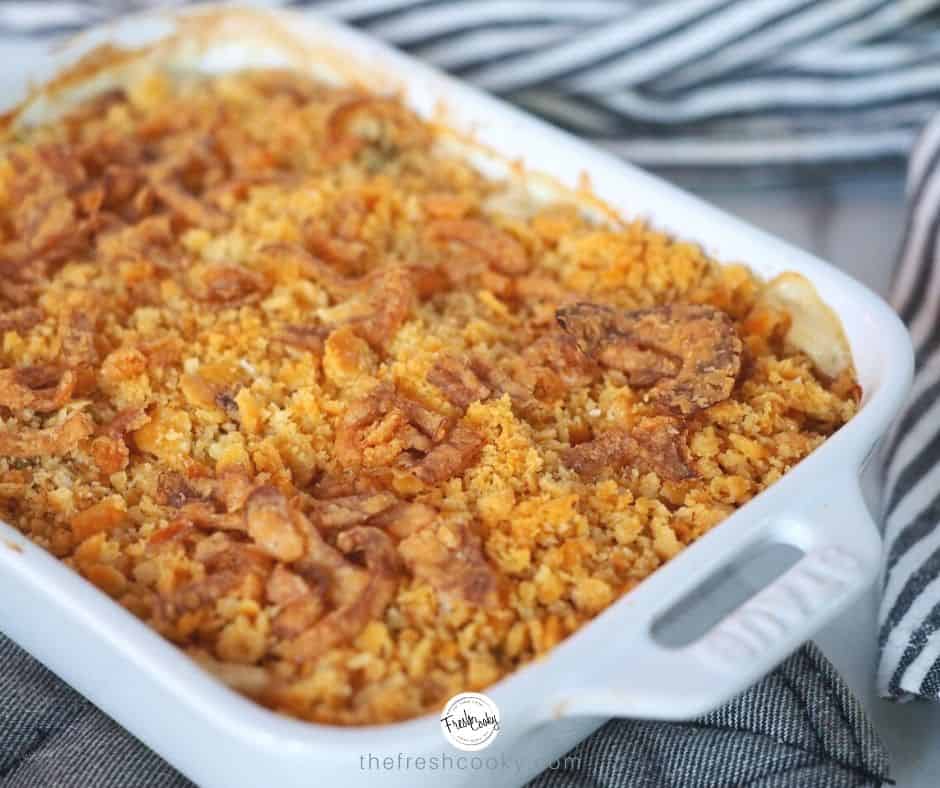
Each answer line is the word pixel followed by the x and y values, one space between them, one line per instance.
pixel 613 666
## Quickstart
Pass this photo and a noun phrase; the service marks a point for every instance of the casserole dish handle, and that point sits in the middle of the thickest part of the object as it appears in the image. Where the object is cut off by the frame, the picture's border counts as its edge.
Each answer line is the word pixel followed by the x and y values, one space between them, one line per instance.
pixel 841 557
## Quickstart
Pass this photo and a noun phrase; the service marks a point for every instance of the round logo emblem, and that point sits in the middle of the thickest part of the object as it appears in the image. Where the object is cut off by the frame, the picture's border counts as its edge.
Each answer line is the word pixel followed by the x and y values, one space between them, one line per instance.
pixel 470 721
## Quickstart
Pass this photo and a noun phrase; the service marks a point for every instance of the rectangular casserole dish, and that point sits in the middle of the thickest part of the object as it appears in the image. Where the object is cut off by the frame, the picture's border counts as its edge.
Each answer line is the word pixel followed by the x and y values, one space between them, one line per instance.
pixel 613 666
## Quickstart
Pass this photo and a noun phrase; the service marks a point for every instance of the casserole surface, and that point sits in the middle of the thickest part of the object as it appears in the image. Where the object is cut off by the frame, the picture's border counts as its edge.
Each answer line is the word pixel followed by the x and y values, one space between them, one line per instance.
pixel 356 427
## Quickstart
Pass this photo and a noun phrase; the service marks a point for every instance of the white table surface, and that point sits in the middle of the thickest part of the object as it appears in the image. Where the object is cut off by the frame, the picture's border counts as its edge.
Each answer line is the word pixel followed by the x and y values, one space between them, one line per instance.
pixel 857 225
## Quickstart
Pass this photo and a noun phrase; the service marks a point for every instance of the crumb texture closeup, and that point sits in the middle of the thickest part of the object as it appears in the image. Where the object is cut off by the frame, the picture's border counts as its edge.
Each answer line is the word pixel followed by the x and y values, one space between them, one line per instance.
pixel 352 425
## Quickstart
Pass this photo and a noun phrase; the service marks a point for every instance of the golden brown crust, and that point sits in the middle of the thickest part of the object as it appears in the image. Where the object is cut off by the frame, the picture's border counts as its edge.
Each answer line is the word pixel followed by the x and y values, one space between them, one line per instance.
pixel 286 381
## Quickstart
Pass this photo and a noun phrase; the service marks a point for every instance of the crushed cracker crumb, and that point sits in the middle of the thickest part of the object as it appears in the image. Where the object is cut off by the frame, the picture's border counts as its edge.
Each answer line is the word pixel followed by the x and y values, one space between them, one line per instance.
pixel 284 381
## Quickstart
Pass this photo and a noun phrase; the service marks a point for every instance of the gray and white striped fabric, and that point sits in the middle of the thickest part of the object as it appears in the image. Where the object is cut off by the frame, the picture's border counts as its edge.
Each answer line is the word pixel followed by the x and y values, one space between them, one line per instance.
pixel 667 83
pixel 910 608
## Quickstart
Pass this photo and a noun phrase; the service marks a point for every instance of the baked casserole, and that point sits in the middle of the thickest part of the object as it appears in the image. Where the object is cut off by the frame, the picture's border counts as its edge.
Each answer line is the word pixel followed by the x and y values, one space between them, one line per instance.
pixel 355 426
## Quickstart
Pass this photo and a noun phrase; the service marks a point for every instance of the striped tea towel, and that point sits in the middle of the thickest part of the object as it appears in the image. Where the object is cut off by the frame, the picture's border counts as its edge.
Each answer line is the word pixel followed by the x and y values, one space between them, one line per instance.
pixel 691 82
pixel 910 607
pixel 672 84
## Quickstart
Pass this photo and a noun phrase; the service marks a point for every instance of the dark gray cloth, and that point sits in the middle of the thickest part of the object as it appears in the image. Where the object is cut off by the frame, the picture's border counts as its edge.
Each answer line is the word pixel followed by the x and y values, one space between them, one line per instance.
pixel 52 737
pixel 800 726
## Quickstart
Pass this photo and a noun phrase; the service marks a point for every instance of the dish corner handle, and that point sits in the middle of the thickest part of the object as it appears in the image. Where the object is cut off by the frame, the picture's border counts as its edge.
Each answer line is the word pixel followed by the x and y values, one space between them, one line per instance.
pixel 841 557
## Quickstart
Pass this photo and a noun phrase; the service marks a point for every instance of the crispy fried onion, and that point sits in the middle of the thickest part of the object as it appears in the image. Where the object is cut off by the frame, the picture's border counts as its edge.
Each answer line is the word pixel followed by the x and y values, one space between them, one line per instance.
pixel 359 593
pixel 545 371
pixel 557 355
pixel 339 502
pixel 501 378
pixel 21 283
pixel 21 319
pixel 206 515
pixel 689 354
pixel 405 518
pixel 166 183
pixel 312 267
pixel 450 559
pixel 369 121
pixel 458 452
pixel 301 601
pixel 210 502
pixel 273 525
pixel 42 388
pixel 350 510
pixel 151 239
pixel 175 490
pixel 463 382
pixel 552 365
pixel 51 441
pixel 228 566
pixel 386 305
pixel 222 504
pixel 109 449
pixel 378 311
pixel 185 206
pixel 309 338
pixel 324 595
pixel 425 279
pixel 375 305
pixel 77 340
pixel 227 285
pixel 376 429
pixel 385 429
pixel 654 444
pixel 44 219
pixel 457 381
pixel 483 243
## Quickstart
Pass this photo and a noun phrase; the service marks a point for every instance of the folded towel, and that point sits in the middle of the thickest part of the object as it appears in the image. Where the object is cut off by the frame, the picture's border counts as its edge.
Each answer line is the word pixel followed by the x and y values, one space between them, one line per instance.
pixel 672 84
pixel 698 83
pixel 910 606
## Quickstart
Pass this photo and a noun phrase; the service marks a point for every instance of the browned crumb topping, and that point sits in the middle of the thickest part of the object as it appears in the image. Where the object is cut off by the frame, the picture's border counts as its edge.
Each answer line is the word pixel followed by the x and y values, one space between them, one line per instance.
pixel 287 382
pixel 689 353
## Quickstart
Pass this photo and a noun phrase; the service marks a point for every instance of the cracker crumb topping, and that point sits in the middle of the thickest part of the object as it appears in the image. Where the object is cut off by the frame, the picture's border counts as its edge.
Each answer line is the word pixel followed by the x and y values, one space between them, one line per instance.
pixel 353 425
